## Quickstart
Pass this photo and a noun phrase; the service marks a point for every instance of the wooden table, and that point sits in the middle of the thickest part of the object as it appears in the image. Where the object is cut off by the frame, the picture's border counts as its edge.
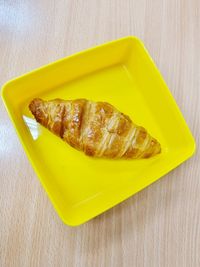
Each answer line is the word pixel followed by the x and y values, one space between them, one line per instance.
pixel 159 226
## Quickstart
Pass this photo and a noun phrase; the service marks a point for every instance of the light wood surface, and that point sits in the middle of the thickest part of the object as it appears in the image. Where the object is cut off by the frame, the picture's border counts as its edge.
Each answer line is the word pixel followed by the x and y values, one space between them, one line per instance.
pixel 159 226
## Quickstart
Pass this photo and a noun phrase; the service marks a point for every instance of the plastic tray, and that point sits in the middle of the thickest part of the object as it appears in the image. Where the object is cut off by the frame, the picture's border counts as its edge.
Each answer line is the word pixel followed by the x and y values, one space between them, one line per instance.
pixel 120 72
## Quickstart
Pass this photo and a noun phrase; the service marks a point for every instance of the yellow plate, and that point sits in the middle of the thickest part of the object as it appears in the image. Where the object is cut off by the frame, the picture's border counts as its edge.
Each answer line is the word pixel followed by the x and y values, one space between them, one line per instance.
pixel 120 72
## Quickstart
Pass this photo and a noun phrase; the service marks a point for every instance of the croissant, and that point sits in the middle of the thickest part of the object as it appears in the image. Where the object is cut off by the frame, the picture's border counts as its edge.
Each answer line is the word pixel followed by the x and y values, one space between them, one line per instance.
pixel 97 128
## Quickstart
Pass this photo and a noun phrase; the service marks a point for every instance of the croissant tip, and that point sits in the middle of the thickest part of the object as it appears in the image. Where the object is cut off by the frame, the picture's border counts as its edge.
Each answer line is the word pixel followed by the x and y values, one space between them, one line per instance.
pixel 158 149
pixel 34 104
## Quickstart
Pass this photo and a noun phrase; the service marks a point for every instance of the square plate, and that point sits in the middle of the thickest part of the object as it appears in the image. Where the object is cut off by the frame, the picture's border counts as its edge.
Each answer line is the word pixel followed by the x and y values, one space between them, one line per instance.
pixel 120 72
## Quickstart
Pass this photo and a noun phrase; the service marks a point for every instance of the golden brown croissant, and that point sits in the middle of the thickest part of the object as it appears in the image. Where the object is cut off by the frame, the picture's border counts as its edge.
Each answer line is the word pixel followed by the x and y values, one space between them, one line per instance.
pixel 97 128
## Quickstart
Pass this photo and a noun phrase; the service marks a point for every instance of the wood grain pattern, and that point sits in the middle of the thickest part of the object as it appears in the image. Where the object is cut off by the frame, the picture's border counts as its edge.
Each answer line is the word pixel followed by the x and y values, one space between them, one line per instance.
pixel 159 226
